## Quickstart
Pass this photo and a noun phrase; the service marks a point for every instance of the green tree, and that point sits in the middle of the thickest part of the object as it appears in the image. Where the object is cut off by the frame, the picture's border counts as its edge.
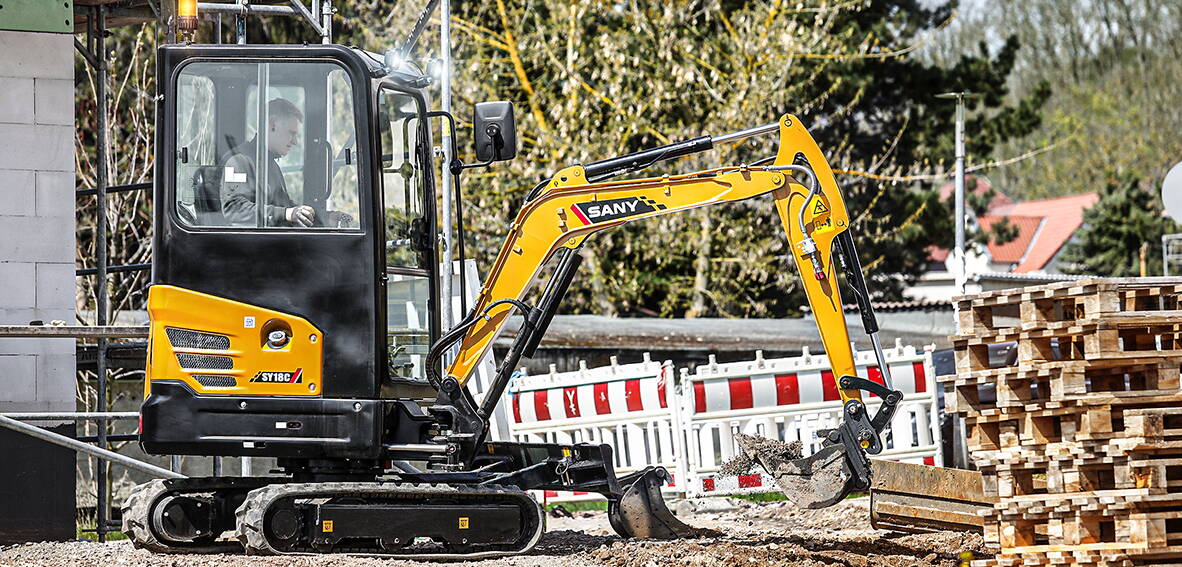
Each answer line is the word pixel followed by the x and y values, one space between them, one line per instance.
pixel 1113 64
pixel 1123 228
pixel 595 82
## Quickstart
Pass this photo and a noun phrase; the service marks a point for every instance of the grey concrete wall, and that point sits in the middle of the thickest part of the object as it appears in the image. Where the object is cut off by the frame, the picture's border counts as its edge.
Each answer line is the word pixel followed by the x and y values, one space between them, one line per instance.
pixel 36 217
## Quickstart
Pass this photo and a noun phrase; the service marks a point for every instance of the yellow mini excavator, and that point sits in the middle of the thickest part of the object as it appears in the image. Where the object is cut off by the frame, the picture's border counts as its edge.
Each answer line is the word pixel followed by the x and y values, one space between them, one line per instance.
pixel 295 313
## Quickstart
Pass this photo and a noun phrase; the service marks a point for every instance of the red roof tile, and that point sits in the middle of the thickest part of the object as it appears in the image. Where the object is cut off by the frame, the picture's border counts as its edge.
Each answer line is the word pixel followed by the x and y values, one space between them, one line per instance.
pixel 1063 216
pixel 1013 251
pixel 1044 226
pixel 937 254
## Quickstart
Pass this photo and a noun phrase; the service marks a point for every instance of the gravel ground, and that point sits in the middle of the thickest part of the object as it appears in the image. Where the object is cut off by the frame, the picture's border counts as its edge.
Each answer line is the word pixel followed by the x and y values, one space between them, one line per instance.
pixel 774 533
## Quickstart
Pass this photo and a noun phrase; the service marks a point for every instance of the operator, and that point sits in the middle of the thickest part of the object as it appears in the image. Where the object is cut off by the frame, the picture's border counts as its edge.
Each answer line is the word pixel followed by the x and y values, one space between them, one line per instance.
pixel 238 176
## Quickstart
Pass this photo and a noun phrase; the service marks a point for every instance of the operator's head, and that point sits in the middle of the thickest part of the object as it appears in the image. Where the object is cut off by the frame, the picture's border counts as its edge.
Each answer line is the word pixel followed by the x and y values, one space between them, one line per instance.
pixel 284 125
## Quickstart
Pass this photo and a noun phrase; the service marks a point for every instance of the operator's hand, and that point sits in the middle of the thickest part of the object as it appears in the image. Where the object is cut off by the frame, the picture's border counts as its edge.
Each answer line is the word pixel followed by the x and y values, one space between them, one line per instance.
pixel 302 215
pixel 339 219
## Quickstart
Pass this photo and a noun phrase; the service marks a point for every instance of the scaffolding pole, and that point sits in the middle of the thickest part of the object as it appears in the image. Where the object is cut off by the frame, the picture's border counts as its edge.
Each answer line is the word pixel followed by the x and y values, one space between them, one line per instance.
pixel 103 455
pixel 100 249
pixel 445 216
pixel 70 415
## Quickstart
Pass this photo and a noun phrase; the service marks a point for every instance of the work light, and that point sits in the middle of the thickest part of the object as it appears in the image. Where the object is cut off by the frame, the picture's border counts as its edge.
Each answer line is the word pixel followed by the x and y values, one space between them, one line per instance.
pixel 186 16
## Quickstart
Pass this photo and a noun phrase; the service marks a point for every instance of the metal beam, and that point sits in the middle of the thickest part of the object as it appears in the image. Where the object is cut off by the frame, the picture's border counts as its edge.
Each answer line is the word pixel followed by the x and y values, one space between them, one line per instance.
pixel 56 439
pixel 447 316
pixel 114 269
pixel 413 37
pixel 245 9
pixel 113 188
pixel 74 331
pixel 70 415
pixel 101 301
pixel 308 17
pixel 89 57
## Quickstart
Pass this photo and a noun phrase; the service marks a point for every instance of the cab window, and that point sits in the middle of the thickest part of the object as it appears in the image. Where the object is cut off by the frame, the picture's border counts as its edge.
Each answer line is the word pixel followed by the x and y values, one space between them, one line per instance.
pixel 285 159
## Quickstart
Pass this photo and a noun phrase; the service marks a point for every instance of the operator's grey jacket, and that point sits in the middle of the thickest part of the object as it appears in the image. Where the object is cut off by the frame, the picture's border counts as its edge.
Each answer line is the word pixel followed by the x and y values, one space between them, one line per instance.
pixel 238 188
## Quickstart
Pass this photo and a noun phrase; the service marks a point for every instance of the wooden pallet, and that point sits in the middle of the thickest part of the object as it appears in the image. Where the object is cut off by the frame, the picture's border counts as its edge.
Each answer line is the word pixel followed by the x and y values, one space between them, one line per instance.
pixel 1035 307
pixel 1089 417
pixel 1111 337
pixel 1127 538
pixel 1094 486
pixel 1078 432
pixel 1112 555
pixel 1032 387
pixel 1103 433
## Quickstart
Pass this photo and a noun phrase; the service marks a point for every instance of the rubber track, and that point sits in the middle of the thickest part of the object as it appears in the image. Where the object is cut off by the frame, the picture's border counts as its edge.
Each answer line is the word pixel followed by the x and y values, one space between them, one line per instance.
pixel 250 516
pixel 137 510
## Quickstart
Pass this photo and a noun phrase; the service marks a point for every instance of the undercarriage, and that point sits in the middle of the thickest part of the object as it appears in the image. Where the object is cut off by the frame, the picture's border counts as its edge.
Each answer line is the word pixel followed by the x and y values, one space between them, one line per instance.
pixel 428 515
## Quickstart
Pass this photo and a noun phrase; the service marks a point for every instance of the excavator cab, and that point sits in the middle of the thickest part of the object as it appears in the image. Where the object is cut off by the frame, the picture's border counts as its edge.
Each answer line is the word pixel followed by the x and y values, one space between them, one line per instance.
pixel 295 314
pixel 295 265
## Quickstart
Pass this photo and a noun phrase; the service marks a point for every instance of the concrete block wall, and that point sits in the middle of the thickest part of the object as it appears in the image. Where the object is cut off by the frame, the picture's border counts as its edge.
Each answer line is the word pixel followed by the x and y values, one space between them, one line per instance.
pixel 37 205
pixel 36 278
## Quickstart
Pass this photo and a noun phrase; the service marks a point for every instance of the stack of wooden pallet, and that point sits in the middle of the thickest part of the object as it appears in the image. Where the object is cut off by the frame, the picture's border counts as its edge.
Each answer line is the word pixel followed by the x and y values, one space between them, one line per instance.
pixel 1071 400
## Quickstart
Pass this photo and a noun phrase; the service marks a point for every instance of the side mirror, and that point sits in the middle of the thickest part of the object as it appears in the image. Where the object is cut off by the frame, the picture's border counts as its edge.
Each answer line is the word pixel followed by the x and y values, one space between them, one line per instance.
pixel 496 131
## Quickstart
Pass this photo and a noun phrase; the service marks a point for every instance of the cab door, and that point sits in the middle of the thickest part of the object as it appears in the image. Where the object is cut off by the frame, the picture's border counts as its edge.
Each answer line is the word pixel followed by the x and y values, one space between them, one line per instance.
pixel 409 257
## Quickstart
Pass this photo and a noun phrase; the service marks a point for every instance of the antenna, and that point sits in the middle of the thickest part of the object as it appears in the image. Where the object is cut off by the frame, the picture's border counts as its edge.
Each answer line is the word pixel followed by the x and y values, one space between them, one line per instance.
pixel 420 25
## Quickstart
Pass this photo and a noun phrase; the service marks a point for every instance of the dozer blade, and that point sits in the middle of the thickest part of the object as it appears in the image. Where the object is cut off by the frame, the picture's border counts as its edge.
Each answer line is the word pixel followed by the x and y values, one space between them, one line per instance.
pixel 920 498
pixel 817 481
pixel 641 511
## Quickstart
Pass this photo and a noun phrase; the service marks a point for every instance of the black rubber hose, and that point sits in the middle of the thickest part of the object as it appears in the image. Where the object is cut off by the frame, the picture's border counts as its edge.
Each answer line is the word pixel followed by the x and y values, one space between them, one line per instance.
pixel 435 355
pixel 599 170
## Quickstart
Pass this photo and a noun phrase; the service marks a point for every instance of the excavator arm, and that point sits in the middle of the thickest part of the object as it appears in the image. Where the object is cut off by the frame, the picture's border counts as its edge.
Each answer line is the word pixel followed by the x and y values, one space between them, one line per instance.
pixel 573 205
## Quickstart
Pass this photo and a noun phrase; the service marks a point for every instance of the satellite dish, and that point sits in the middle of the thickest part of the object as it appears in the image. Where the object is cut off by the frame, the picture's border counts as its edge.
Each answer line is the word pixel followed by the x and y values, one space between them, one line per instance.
pixel 1171 192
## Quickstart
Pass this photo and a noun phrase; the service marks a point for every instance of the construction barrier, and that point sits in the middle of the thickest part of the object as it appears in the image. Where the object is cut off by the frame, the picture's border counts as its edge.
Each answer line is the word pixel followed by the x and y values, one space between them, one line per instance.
pixel 626 406
pixel 792 399
pixel 688 426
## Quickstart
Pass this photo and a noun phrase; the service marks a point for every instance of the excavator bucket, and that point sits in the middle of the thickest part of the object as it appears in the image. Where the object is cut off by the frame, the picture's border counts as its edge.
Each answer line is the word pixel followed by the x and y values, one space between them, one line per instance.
pixel 817 481
pixel 903 496
pixel 641 511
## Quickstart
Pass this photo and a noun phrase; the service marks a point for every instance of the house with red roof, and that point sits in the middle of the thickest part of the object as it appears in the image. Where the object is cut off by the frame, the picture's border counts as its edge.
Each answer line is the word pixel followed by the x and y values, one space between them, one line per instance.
pixel 1043 226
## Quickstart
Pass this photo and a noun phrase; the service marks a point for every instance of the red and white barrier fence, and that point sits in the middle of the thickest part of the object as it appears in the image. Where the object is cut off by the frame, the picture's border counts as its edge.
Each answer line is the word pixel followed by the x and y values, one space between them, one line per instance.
pixel 791 399
pixel 689 426
pixel 627 406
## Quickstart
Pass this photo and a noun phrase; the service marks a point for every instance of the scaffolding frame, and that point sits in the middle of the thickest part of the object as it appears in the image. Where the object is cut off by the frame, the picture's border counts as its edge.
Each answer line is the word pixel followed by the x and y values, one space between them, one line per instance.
pixel 318 16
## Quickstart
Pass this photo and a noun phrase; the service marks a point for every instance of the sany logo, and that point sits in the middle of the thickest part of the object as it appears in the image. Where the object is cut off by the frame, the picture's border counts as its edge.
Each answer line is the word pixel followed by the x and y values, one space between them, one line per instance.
pixel 620 208
pixel 611 209
pixel 280 377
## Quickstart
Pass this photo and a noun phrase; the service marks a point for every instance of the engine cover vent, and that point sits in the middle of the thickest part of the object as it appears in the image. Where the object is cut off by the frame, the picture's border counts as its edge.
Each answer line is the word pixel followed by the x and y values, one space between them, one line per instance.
pixel 184 338
pixel 211 381
pixel 204 361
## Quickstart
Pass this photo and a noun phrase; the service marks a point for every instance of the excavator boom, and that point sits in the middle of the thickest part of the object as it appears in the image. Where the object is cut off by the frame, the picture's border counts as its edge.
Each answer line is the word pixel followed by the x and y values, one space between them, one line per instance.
pixel 569 208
